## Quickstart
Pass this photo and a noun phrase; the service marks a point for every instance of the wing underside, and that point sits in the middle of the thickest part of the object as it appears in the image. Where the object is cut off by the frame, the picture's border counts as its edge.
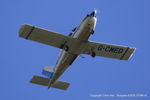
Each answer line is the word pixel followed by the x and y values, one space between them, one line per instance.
pixel 58 40
pixel 109 50
pixel 44 36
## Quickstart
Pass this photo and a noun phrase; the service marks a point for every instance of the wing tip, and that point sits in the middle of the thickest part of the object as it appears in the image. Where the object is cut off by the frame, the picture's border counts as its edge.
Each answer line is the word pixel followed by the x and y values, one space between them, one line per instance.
pixel 21 30
pixel 129 53
pixel 133 50
pixel 25 30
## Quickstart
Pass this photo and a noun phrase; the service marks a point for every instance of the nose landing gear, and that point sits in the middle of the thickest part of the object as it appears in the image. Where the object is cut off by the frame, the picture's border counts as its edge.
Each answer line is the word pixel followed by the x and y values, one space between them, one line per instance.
pixel 92 32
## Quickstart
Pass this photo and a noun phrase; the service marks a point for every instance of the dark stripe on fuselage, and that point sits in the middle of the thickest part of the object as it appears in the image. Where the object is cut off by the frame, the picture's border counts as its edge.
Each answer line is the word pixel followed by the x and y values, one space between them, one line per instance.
pixel 124 53
pixel 30 32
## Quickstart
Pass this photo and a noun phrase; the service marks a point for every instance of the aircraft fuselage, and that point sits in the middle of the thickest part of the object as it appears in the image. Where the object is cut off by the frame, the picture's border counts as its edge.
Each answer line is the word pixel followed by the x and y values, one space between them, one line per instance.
pixel 82 32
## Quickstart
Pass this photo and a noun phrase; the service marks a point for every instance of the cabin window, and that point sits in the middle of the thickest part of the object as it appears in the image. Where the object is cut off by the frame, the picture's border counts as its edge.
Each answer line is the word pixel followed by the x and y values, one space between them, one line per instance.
pixel 73 29
pixel 70 34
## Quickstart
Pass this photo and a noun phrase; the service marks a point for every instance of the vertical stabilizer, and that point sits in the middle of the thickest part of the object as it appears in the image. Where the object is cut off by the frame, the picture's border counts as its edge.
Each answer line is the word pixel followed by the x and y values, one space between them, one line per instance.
pixel 48 71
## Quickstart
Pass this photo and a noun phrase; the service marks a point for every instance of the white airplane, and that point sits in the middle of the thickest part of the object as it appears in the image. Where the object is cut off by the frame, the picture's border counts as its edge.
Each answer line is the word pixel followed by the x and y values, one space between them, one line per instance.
pixel 71 46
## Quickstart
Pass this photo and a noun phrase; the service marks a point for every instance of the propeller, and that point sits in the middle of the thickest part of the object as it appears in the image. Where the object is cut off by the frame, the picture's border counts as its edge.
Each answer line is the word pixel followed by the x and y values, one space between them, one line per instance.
pixel 94 12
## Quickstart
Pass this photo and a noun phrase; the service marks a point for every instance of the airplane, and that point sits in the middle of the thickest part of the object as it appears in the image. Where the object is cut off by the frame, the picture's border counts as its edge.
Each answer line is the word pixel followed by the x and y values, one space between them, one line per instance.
pixel 76 43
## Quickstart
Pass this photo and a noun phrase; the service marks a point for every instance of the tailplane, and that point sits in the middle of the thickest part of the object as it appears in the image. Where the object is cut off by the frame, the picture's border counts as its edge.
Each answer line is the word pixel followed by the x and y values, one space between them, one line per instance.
pixel 45 81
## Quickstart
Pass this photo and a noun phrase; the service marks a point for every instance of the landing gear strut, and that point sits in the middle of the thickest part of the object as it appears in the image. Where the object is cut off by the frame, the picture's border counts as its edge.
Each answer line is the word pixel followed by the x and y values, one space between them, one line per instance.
pixel 66 48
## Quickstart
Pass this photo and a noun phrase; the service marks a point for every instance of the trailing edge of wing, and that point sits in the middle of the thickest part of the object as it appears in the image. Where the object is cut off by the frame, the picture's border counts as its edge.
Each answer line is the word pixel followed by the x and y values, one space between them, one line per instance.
pixel 44 36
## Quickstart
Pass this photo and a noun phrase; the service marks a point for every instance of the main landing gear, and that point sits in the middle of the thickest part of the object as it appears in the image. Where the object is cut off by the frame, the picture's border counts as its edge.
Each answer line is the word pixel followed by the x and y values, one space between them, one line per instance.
pixel 66 48
pixel 93 54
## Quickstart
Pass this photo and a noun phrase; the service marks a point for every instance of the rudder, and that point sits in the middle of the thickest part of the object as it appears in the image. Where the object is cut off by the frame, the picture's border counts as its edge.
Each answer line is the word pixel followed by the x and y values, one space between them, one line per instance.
pixel 48 71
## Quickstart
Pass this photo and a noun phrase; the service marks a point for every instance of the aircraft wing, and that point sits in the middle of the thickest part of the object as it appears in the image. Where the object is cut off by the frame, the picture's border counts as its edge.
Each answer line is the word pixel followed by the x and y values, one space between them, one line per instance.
pixel 43 36
pixel 109 50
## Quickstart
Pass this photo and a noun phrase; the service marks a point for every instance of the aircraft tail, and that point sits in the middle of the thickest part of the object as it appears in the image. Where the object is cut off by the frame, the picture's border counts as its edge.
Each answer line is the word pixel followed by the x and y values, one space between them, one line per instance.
pixel 48 71
pixel 45 81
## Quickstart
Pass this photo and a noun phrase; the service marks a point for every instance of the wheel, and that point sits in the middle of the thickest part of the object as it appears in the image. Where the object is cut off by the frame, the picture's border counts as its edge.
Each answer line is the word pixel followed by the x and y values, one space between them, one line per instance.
pixel 93 54
pixel 66 48
pixel 92 32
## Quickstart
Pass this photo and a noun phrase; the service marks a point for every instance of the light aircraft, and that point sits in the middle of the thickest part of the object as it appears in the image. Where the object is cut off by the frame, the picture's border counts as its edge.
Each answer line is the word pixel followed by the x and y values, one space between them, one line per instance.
pixel 71 46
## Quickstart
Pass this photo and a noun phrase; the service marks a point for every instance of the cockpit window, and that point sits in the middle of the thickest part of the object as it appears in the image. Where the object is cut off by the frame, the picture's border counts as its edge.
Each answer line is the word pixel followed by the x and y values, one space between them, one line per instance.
pixel 70 34
pixel 74 29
